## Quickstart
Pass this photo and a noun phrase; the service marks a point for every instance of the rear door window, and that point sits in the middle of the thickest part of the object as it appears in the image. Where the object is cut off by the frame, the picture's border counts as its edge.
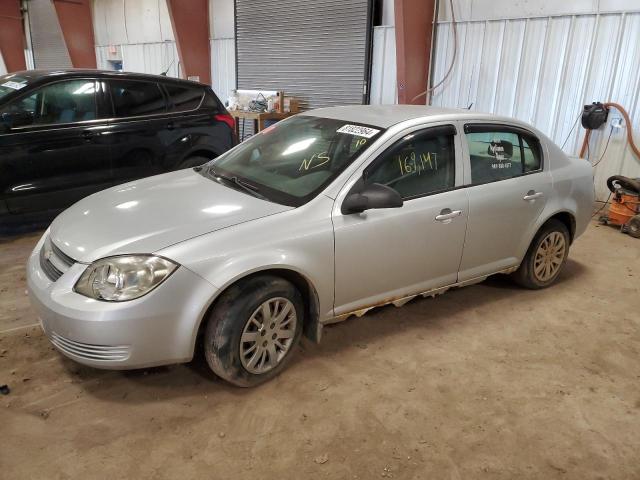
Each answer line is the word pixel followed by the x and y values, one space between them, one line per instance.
pixel 183 99
pixel 133 98
pixel 499 154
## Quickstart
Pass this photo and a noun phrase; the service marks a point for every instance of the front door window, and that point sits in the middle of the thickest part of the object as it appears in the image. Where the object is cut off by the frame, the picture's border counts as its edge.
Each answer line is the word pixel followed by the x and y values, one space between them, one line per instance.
pixel 420 164
pixel 58 103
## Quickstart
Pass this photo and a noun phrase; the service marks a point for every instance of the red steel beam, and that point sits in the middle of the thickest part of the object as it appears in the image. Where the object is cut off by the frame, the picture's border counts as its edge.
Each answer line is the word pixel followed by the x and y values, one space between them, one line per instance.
pixel 190 23
pixel 76 24
pixel 12 35
pixel 414 31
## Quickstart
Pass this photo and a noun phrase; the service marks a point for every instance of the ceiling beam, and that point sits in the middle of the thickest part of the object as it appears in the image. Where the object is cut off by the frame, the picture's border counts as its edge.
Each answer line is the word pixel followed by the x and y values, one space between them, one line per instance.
pixel 12 35
pixel 414 33
pixel 190 23
pixel 76 24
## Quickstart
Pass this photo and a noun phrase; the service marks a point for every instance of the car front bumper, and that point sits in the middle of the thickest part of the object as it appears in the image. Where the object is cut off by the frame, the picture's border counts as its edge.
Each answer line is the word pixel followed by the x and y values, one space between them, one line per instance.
pixel 156 329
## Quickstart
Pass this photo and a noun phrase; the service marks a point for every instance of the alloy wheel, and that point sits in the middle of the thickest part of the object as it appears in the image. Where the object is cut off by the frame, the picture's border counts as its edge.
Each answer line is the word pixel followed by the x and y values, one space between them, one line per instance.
pixel 268 335
pixel 549 256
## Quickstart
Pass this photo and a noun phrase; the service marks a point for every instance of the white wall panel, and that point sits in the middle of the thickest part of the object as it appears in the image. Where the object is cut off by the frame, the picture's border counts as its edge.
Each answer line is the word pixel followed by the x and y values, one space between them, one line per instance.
pixel 166 30
pixel 221 18
pixel 143 21
pixel 543 70
pixel 141 30
pixel 152 58
pixel 223 67
pixel 480 10
pixel 113 27
pixel 383 68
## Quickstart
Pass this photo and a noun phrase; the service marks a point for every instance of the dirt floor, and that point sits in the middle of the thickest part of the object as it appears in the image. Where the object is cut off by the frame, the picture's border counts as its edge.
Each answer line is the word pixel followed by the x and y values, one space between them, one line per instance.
pixel 488 381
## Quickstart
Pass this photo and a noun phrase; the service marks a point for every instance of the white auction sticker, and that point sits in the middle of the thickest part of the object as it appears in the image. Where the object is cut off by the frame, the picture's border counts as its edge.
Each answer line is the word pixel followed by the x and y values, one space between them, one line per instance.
pixel 14 85
pixel 358 130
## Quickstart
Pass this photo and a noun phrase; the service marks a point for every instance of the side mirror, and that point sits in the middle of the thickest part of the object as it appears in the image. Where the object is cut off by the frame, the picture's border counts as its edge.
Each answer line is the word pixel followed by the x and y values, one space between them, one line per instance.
pixel 371 196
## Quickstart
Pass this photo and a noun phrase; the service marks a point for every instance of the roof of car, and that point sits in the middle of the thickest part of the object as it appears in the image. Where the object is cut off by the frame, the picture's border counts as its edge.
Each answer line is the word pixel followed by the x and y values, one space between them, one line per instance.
pixel 385 116
pixel 41 75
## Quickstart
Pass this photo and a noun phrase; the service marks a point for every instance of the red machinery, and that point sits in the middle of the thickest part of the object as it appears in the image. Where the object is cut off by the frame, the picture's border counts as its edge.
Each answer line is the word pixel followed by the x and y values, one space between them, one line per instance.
pixel 624 210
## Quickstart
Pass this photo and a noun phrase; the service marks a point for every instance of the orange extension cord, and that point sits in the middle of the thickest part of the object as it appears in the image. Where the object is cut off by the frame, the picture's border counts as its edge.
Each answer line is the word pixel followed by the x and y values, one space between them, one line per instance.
pixel 627 120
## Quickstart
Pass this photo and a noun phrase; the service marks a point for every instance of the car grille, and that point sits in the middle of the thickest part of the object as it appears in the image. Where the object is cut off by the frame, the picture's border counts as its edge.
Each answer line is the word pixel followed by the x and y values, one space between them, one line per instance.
pixel 53 261
pixel 88 351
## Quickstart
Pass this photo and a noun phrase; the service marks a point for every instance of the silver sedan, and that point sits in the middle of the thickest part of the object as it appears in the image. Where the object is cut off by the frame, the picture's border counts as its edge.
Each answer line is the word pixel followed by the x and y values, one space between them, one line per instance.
pixel 324 215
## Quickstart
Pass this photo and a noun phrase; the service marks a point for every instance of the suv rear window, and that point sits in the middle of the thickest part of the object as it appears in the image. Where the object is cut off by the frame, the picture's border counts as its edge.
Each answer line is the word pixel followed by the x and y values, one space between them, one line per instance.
pixel 183 98
pixel 134 98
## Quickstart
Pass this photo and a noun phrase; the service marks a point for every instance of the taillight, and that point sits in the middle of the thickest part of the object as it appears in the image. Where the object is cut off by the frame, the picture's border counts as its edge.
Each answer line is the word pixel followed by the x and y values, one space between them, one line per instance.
pixel 226 118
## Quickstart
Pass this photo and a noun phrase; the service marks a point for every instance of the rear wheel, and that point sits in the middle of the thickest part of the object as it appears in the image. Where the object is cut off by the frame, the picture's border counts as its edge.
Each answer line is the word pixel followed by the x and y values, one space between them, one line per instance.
pixel 546 256
pixel 253 330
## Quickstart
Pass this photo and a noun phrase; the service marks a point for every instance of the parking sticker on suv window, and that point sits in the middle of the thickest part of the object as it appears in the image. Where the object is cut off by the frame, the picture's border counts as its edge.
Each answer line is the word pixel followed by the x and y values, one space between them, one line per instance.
pixel 358 130
pixel 14 85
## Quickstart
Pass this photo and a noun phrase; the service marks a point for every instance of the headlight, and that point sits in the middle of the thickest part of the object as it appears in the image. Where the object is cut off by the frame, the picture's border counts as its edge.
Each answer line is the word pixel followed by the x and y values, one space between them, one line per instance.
pixel 118 279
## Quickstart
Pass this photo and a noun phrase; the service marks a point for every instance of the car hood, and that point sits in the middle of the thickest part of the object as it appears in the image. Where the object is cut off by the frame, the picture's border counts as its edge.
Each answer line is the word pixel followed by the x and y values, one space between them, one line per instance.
pixel 153 213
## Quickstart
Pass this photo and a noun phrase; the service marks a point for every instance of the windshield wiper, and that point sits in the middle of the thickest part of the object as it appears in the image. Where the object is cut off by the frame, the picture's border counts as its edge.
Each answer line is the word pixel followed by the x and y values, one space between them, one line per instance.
pixel 246 186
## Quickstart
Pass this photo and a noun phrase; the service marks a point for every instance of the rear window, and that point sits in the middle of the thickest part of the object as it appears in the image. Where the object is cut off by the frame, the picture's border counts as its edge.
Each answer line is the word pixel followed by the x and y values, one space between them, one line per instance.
pixel 183 98
pixel 134 98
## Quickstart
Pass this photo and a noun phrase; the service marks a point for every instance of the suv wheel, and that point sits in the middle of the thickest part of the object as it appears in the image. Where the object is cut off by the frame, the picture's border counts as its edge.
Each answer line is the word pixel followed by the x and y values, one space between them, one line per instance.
pixel 546 256
pixel 253 330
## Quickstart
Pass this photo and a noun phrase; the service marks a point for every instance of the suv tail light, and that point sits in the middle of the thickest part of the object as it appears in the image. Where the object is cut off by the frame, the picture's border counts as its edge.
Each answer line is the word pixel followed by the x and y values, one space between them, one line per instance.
pixel 226 118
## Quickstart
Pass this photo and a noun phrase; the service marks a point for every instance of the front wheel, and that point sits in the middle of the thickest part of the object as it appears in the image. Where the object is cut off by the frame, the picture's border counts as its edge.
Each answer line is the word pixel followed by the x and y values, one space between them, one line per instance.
pixel 253 330
pixel 546 256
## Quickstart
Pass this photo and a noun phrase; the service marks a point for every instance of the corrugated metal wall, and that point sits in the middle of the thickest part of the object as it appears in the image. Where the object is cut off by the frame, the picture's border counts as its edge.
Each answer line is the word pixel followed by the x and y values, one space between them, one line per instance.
pixel 543 70
pixel 223 47
pixel 223 66
pixel 315 51
pixel 383 66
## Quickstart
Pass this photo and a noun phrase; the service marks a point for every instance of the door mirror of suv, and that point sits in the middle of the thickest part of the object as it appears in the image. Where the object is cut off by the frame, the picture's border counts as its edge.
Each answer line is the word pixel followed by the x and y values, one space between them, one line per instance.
pixel 371 196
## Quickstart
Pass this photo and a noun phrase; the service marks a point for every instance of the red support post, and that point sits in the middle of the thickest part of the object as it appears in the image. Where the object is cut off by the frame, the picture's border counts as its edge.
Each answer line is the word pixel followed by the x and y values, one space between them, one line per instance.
pixel 190 22
pixel 414 32
pixel 12 35
pixel 76 24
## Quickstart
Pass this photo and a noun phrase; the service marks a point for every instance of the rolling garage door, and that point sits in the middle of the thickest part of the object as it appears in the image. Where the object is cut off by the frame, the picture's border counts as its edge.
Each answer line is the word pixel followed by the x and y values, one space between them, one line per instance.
pixel 47 42
pixel 315 51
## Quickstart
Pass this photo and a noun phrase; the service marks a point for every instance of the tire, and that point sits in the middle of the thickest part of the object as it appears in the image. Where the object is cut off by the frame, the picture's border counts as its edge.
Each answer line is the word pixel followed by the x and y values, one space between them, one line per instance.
pixel 193 162
pixel 633 227
pixel 553 233
pixel 231 318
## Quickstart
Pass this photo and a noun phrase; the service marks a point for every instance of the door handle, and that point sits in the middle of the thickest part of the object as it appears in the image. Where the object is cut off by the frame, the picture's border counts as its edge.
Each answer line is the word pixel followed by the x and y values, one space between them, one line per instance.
pixel 447 215
pixel 171 126
pixel 88 135
pixel 532 195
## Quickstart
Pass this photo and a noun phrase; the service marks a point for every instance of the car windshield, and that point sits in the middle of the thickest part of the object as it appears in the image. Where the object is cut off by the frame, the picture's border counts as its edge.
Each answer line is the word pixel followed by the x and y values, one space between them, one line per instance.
pixel 292 161
pixel 10 84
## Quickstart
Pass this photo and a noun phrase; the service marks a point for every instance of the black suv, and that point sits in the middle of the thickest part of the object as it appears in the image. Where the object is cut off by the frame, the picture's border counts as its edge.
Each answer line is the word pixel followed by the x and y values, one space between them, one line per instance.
pixel 67 134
